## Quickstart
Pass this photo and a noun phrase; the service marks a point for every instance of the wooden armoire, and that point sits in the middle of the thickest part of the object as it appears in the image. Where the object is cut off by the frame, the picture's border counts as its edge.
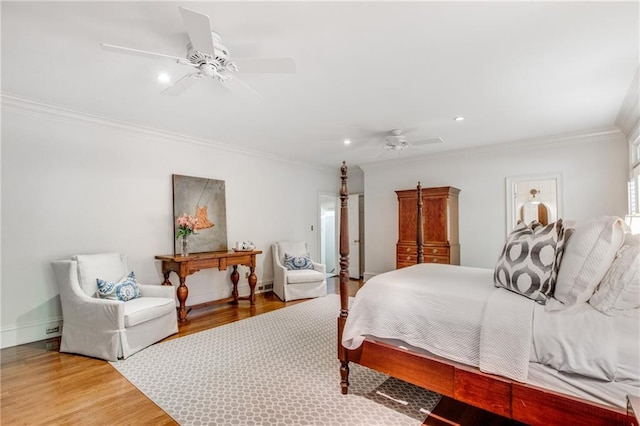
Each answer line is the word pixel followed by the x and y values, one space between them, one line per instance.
pixel 440 226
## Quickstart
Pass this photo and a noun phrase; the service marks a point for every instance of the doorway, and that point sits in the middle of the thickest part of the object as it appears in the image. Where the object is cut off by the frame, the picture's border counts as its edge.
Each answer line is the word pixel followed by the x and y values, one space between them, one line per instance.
pixel 356 206
pixel 328 232
pixel 329 226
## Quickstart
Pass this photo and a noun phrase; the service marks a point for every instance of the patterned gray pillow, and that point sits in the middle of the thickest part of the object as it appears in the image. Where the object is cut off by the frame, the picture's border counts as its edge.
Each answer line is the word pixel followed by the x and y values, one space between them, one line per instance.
pixel 529 262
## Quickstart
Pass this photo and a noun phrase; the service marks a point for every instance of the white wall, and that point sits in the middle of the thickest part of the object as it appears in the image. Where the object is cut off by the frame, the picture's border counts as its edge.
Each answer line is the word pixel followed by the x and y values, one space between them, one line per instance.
pixel 72 184
pixel 593 170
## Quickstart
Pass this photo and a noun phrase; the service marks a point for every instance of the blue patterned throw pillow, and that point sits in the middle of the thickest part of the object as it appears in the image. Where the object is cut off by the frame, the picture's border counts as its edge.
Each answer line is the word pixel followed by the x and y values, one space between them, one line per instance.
pixel 123 290
pixel 294 263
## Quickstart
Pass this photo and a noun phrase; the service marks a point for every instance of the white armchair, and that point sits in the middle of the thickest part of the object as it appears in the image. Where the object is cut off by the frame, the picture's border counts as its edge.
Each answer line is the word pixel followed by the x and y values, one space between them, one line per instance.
pixel 105 328
pixel 292 284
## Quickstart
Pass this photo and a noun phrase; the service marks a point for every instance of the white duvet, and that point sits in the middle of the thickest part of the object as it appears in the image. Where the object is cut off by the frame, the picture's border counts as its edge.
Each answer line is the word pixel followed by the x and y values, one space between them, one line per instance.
pixel 457 313
pixel 441 308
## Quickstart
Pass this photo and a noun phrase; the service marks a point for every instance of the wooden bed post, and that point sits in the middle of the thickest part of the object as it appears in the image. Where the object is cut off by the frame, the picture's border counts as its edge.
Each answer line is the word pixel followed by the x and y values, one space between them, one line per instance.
pixel 419 227
pixel 344 278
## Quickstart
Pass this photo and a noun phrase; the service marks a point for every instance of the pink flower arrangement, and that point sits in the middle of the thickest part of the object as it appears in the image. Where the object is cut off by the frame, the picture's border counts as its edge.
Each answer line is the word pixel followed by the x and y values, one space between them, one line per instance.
pixel 186 225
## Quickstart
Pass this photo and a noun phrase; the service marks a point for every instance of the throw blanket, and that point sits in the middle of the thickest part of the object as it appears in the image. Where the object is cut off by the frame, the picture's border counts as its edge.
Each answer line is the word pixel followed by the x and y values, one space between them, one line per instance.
pixel 441 309
pixel 506 335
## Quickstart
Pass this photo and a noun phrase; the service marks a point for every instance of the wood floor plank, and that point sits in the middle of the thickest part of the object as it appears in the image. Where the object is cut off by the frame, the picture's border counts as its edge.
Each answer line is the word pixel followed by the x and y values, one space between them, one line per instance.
pixel 41 386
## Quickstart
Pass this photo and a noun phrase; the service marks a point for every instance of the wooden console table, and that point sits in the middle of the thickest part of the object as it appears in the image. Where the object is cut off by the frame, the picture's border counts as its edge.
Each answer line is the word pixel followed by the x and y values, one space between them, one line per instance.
pixel 187 265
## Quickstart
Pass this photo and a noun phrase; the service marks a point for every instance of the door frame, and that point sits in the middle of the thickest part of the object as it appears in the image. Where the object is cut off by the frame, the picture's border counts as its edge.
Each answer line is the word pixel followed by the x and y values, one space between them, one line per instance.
pixel 323 196
pixel 327 194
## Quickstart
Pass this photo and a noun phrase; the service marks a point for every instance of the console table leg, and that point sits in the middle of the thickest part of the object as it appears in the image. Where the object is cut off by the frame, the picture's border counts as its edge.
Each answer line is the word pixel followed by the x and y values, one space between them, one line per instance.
pixel 253 280
pixel 166 278
pixel 182 292
pixel 235 277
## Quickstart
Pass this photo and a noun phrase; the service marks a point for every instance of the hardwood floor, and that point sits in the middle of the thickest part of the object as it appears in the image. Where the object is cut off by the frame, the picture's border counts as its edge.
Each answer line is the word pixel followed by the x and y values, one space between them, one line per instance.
pixel 41 386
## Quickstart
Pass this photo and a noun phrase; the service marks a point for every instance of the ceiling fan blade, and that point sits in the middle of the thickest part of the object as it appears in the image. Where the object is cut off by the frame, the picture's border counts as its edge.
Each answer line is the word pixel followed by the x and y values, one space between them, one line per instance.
pixel 430 141
pixel 199 29
pixel 383 151
pixel 265 65
pixel 239 87
pixel 137 52
pixel 365 144
pixel 182 85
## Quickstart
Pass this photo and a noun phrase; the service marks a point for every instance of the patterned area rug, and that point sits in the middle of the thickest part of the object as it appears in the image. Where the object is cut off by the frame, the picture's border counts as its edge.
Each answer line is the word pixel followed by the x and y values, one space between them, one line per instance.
pixel 278 368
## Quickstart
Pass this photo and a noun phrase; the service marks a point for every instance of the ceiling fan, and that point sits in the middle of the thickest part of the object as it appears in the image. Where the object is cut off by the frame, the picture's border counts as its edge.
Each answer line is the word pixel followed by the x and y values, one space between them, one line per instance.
pixel 397 141
pixel 209 58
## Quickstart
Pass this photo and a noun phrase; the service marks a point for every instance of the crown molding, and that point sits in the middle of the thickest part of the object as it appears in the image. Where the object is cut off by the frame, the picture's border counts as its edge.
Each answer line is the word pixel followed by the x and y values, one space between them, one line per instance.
pixel 21 105
pixel 601 135
pixel 628 119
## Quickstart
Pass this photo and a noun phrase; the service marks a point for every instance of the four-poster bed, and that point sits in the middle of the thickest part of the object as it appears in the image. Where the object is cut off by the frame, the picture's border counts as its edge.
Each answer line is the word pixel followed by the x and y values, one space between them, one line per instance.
pixel 510 398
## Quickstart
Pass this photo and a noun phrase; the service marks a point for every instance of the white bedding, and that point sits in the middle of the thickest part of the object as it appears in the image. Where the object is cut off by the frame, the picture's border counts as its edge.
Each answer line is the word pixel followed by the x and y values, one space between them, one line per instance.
pixel 441 308
pixel 457 313
pixel 577 340
pixel 590 389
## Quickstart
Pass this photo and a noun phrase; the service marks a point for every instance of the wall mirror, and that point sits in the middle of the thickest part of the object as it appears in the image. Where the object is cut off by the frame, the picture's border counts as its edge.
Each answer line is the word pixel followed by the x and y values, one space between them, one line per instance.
pixel 534 197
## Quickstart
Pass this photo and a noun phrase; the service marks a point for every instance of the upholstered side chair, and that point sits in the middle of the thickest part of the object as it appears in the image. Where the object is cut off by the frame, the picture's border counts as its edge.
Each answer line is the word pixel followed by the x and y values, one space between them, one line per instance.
pixel 105 328
pixel 296 276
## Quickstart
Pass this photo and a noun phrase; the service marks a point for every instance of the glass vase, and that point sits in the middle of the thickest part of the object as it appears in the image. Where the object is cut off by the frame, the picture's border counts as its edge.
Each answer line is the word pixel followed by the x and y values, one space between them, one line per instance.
pixel 184 246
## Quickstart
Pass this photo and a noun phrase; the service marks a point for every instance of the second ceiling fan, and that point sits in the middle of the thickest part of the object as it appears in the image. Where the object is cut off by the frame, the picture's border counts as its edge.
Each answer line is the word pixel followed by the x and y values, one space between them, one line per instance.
pixel 397 141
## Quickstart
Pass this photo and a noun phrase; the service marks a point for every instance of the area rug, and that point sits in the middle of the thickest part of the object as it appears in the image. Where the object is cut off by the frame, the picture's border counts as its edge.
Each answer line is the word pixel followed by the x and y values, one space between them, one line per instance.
pixel 278 368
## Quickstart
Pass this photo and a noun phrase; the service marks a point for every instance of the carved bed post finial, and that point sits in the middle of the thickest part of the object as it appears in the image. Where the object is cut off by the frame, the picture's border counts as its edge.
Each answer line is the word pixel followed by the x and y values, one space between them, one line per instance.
pixel 344 277
pixel 419 226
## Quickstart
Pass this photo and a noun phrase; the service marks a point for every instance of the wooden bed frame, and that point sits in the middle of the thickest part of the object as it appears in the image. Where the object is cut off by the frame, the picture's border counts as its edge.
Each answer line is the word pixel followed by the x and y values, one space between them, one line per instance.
pixel 499 395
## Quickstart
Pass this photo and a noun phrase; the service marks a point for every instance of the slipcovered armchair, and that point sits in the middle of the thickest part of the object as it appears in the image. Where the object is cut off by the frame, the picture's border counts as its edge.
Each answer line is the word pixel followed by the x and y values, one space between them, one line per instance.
pixel 105 328
pixel 295 275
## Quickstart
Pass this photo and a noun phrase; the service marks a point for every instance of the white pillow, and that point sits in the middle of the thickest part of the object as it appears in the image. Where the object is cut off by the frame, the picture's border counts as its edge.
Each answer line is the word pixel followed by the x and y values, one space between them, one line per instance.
pixel 587 257
pixel 107 266
pixel 619 290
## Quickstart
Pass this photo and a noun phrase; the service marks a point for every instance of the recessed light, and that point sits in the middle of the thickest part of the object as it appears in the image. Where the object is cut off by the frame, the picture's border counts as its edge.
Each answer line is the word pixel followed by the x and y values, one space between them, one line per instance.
pixel 347 142
pixel 458 118
pixel 163 78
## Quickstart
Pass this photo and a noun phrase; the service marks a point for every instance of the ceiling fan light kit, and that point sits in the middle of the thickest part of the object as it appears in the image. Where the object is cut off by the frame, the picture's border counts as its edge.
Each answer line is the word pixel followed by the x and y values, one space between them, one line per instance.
pixel 210 58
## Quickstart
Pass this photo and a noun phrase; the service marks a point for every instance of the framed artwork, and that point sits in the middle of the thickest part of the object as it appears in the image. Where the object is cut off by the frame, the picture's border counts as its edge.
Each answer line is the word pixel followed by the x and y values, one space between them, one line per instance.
pixel 533 197
pixel 204 199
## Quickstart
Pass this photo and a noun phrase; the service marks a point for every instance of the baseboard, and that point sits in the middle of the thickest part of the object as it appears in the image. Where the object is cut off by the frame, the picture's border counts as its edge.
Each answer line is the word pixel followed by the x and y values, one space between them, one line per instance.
pixel 32 332
pixel 37 330
pixel 243 290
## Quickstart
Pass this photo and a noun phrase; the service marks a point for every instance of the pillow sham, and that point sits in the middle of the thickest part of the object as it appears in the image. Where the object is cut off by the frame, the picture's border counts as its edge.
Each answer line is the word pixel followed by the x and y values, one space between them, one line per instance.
pixel 293 263
pixel 587 258
pixel 529 260
pixel 123 290
pixel 619 290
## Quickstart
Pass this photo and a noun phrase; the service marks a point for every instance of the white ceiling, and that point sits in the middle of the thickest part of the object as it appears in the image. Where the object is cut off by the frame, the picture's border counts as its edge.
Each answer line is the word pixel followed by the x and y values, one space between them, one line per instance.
pixel 515 70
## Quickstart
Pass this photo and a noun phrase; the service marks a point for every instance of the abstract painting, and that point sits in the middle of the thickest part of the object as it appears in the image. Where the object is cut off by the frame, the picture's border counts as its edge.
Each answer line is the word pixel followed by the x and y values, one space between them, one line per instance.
pixel 204 199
